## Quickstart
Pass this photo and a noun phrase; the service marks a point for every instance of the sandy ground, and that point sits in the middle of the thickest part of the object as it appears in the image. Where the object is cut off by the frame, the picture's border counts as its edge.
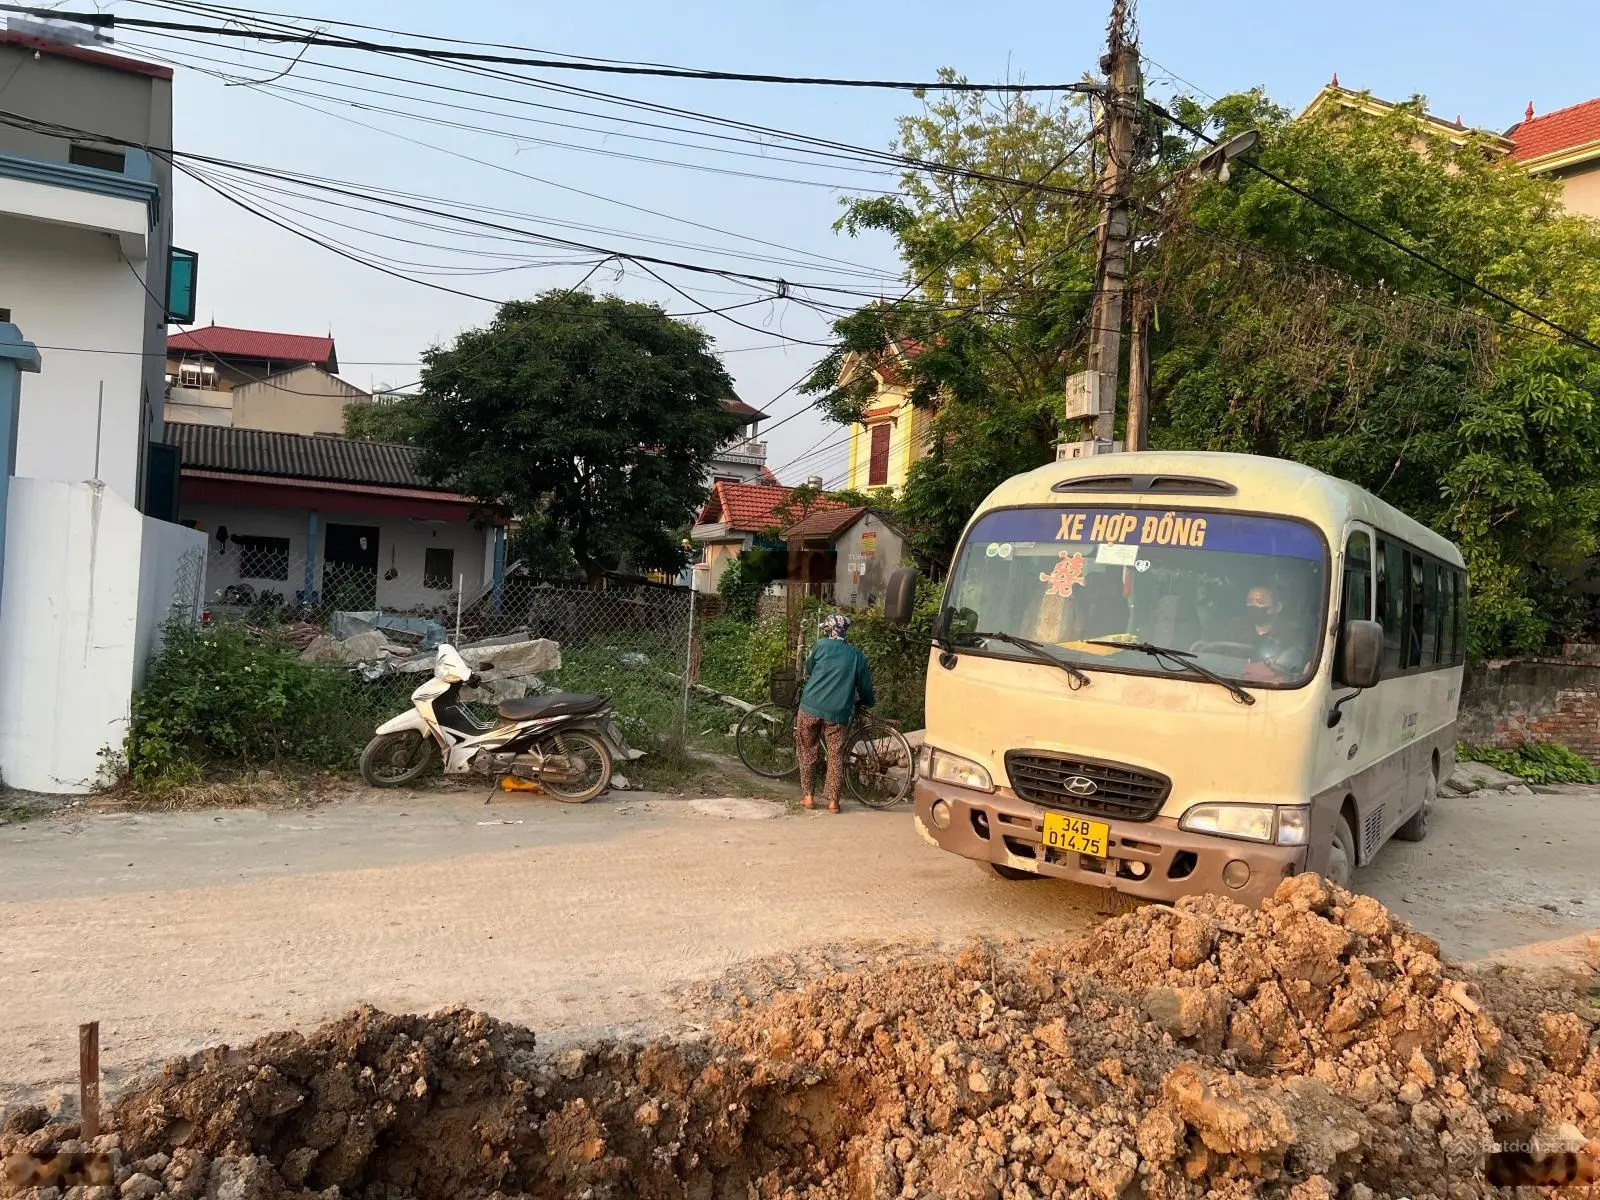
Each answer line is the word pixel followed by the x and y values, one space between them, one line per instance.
pixel 182 930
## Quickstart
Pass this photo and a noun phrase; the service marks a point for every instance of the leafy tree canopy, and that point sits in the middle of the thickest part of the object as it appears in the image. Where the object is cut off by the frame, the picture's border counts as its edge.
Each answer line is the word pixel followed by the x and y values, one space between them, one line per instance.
pixel 1285 330
pixel 389 420
pixel 598 414
pixel 1280 328
pixel 998 280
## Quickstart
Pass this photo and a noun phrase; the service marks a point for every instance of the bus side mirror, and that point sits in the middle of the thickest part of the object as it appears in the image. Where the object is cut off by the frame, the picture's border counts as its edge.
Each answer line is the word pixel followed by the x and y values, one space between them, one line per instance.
pixel 1360 654
pixel 901 595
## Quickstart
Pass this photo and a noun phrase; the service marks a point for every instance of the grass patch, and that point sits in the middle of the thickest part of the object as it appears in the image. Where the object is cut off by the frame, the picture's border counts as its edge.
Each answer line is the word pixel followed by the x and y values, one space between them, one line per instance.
pixel 245 789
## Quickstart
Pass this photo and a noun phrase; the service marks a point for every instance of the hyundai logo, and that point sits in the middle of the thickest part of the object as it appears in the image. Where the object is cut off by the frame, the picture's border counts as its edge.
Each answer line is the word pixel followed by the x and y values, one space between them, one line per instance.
pixel 1080 785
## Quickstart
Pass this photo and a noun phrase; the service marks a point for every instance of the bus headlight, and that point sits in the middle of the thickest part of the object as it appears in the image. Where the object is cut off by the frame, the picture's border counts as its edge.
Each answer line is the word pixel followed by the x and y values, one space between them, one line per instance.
pixel 1285 825
pixel 942 767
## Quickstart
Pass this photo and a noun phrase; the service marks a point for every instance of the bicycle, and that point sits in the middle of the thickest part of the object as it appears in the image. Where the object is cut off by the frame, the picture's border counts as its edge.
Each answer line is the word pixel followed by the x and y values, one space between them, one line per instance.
pixel 880 767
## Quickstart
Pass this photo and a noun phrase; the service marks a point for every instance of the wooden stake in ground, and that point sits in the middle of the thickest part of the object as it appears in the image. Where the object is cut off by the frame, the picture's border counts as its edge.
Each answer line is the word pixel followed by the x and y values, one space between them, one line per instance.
pixel 89 1079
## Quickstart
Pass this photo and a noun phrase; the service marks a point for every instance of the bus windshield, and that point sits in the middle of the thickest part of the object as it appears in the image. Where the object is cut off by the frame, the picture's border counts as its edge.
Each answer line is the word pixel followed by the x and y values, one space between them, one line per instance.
pixel 1241 595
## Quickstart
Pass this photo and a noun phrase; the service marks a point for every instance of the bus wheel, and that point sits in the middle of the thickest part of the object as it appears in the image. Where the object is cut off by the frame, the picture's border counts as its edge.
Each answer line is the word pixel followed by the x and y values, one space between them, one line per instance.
pixel 1342 855
pixel 1415 829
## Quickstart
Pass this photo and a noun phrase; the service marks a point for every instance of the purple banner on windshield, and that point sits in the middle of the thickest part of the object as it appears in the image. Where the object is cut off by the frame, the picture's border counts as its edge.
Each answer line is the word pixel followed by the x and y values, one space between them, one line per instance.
pixel 1232 533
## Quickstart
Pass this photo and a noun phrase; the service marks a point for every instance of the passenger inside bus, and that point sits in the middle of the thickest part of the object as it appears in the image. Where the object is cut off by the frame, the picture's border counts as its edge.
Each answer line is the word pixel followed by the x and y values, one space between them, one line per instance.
pixel 1279 647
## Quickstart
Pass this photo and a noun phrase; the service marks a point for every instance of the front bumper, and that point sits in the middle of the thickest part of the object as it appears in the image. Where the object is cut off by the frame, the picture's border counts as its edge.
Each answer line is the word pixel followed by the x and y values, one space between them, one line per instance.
pixel 1000 828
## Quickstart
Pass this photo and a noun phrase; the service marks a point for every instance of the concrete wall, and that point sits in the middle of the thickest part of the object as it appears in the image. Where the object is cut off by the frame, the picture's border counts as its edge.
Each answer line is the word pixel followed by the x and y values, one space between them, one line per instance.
pixel 303 400
pixel 708 571
pixel 88 581
pixel 121 104
pixel 199 406
pixel 401 542
pixel 1580 189
pixel 72 287
pixel 1546 699
pixel 308 400
pixel 864 587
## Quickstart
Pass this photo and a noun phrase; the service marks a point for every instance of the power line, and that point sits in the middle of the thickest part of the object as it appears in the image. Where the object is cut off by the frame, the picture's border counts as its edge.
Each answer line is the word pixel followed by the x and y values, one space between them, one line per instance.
pixel 1465 280
pixel 111 21
pixel 864 153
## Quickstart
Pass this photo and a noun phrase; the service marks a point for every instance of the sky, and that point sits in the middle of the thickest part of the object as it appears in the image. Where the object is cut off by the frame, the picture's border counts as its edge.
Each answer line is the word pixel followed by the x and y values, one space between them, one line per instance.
pixel 1468 58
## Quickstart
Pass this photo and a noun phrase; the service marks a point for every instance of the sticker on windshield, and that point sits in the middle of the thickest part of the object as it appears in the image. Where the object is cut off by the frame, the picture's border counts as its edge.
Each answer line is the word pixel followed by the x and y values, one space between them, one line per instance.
pixel 998 550
pixel 1113 555
pixel 1066 575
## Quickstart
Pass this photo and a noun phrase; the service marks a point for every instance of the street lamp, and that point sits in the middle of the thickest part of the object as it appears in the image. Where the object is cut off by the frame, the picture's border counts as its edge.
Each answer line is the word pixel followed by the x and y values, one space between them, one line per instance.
pixel 1219 156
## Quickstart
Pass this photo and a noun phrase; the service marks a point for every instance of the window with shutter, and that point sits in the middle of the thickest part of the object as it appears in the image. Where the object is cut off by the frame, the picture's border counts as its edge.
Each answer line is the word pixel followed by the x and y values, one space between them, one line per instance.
pixel 878 465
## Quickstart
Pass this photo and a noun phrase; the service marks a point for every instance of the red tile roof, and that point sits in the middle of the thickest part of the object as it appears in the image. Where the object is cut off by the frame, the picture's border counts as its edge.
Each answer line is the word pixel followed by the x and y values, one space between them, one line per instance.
pixel 116 62
pixel 225 342
pixel 1564 129
pixel 750 507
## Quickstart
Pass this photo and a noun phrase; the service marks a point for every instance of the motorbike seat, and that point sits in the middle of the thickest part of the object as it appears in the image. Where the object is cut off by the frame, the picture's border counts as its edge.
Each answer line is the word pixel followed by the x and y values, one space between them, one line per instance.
pixel 560 704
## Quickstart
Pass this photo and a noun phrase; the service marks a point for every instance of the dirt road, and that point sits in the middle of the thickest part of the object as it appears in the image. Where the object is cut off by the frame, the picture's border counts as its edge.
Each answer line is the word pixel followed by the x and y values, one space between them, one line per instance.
pixel 181 930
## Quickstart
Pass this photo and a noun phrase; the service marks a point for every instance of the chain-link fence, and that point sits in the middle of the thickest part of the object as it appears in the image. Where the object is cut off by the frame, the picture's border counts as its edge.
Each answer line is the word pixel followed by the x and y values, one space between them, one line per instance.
pixel 628 640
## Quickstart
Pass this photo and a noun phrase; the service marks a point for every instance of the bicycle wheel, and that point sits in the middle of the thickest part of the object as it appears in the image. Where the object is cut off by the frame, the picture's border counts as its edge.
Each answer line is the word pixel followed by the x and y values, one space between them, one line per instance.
pixel 765 739
pixel 878 765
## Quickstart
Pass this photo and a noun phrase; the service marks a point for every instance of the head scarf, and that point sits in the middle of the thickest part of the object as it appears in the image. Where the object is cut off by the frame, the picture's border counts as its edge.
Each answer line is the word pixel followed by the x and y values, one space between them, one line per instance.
pixel 835 625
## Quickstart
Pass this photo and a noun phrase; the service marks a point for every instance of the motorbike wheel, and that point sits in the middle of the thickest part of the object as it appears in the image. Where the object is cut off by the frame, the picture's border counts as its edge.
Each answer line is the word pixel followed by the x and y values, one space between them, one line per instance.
pixel 396 759
pixel 591 763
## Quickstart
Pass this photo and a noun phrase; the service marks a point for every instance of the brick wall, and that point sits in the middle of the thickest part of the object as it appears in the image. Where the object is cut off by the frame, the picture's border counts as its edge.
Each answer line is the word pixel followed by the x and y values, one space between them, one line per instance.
pixel 1547 699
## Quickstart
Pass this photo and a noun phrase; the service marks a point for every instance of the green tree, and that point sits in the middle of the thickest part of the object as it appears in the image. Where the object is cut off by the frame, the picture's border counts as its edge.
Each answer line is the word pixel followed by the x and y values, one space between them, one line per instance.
pixel 1286 330
pixel 998 283
pixel 390 419
pixel 599 414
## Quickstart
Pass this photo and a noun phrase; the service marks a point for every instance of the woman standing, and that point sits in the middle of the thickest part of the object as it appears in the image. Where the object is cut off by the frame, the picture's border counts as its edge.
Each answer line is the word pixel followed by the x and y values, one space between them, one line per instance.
pixel 837 679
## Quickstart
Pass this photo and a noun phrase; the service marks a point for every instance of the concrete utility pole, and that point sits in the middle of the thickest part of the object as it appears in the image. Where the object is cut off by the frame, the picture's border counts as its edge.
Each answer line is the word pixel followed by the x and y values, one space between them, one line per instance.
pixel 1092 394
pixel 1138 431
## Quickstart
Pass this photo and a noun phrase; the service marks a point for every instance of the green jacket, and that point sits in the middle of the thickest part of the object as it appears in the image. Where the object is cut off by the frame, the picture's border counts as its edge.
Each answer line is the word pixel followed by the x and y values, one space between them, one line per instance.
pixel 837 676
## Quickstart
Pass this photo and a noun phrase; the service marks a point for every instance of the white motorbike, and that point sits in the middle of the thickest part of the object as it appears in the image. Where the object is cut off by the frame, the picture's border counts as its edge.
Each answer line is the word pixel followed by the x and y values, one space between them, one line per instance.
pixel 565 742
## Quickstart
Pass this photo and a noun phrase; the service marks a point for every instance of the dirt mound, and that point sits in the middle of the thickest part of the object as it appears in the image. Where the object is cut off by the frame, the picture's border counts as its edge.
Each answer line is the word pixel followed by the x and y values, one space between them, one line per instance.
pixel 1308 1049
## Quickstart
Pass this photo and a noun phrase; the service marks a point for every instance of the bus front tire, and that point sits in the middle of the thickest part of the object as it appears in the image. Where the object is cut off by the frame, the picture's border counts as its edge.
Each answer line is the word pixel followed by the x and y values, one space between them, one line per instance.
pixel 1015 874
pixel 1342 854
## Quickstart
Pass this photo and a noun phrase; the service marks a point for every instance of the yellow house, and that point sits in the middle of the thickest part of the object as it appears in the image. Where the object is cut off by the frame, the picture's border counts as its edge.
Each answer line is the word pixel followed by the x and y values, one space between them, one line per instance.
pixel 1564 144
pixel 892 433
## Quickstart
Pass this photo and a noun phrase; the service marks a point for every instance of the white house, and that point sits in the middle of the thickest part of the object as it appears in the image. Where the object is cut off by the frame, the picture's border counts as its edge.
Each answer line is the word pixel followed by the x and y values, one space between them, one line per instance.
pixel 90 570
pixel 330 521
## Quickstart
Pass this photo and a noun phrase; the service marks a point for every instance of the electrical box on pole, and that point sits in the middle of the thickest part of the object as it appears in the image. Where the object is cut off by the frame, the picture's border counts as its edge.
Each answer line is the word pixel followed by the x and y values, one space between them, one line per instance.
pixel 1090 393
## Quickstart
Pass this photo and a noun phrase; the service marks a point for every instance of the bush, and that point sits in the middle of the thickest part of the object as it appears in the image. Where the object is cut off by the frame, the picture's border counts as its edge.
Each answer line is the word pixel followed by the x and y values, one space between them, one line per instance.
pixel 737 657
pixel 1536 762
pixel 228 697
pixel 740 588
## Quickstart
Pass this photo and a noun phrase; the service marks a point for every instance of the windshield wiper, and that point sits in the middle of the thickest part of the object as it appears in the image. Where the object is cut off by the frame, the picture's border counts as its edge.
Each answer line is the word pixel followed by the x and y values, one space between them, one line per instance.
pixel 1038 651
pixel 1182 657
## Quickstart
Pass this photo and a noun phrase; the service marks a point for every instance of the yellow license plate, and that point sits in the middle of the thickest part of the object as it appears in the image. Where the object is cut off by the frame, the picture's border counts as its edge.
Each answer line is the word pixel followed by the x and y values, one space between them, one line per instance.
pixel 1076 835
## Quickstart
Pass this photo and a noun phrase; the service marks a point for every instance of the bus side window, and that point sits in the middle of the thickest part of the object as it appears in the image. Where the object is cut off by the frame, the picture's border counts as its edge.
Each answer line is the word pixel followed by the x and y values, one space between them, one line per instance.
pixel 1415 610
pixel 1432 608
pixel 1391 590
pixel 1356 602
pixel 1458 592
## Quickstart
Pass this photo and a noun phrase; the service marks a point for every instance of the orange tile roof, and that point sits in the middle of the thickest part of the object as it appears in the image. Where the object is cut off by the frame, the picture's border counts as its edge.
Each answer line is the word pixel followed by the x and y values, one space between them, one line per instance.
pixel 750 507
pixel 1549 133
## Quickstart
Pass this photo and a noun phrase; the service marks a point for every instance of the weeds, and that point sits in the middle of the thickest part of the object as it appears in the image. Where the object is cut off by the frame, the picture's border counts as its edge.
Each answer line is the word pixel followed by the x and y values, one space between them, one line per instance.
pixel 228 697
pixel 1535 762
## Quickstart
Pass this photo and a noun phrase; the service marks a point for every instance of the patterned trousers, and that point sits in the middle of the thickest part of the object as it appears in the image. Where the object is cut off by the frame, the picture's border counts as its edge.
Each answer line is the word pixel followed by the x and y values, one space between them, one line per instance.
pixel 806 732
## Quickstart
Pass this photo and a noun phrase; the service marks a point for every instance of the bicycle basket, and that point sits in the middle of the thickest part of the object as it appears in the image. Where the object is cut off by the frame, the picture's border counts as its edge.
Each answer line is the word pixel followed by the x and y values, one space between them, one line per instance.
pixel 783 685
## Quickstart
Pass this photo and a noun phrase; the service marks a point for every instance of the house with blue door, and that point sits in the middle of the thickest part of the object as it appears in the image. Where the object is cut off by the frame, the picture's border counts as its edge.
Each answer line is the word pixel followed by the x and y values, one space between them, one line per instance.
pixel 304 520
